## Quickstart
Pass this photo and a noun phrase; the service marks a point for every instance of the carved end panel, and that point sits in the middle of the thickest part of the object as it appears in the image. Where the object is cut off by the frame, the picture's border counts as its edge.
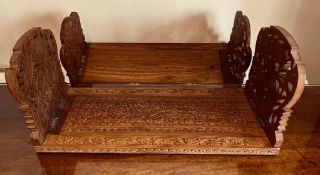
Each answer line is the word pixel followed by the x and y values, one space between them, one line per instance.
pixel 238 55
pixel 276 80
pixel 72 53
pixel 35 79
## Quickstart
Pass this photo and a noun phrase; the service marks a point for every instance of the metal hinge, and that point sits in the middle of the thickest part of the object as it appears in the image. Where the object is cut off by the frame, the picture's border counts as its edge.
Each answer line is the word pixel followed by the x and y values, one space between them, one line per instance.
pixel 260 122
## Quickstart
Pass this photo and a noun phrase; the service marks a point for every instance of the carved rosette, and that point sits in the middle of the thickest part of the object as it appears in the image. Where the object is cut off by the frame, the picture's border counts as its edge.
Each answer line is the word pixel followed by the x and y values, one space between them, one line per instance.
pixel 238 56
pixel 35 79
pixel 72 53
pixel 276 80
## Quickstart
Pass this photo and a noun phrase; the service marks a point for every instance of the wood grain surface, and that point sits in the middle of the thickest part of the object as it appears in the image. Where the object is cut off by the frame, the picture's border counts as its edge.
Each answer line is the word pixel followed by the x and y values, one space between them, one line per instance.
pixel 152 63
pixel 299 153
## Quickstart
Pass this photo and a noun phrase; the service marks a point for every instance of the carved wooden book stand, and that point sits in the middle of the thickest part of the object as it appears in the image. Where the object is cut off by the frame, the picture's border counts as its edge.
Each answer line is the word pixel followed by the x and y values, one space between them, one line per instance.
pixel 156 98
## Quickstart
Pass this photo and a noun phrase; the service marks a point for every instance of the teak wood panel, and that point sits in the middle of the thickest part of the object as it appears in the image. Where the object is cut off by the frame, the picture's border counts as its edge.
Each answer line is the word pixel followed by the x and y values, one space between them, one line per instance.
pixel 152 63
pixel 169 120
pixel 160 120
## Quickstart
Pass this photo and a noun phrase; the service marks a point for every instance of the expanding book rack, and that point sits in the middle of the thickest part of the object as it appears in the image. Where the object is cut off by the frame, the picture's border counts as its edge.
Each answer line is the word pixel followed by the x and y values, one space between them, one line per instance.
pixel 179 98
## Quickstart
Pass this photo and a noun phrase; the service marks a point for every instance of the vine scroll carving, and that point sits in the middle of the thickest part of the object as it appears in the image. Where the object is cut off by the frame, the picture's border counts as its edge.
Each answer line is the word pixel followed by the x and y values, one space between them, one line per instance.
pixel 238 55
pixel 276 80
pixel 72 52
pixel 35 79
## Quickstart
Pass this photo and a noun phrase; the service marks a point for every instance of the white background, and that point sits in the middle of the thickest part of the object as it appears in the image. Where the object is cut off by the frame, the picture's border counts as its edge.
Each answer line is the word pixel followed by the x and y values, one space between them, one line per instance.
pixel 164 21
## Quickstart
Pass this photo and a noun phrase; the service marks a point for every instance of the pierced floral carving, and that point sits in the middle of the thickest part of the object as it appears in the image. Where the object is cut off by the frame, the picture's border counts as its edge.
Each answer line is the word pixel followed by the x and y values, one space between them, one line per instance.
pixel 276 80
pixel 72 53
pixel 35 79
pixel 238 56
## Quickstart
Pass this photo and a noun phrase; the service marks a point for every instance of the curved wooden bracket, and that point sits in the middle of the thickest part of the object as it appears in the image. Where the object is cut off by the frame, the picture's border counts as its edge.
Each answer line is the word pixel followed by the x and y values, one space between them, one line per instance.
pixel 238 56
pixel 35 79
pixel 72 52
pixel 276 80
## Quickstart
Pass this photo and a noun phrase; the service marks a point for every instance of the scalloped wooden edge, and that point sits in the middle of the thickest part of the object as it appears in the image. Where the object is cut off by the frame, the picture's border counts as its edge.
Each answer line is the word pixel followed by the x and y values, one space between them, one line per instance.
pixel 299 89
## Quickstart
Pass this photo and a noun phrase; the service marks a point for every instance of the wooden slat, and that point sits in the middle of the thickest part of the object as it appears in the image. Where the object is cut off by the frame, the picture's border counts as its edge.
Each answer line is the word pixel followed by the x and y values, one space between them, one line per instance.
pixel 158 46
pixel 152 63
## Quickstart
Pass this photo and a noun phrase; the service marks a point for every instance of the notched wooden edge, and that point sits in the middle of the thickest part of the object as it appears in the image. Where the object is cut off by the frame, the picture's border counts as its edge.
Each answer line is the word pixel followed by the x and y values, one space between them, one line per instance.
pixel 17 74
pixel 300 66
pixel 12 82
pixel 299 88
pixel 277 138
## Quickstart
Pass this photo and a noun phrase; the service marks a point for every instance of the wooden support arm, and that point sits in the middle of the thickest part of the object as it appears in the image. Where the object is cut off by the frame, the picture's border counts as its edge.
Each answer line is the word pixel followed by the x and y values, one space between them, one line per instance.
pixel 35 79
pixel 276 80
pixel 237 58
pixel 72 52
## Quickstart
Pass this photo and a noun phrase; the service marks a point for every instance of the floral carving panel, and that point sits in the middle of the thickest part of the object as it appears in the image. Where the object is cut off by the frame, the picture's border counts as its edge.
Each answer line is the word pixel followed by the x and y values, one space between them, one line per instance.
pixel 238 56
pixel 72 52
pixel 35 79
pixel 276 80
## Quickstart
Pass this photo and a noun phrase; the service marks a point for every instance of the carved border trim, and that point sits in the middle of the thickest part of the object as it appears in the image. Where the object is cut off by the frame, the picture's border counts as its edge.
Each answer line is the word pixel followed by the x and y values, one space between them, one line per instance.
pixel 215 92
pixel 230 151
